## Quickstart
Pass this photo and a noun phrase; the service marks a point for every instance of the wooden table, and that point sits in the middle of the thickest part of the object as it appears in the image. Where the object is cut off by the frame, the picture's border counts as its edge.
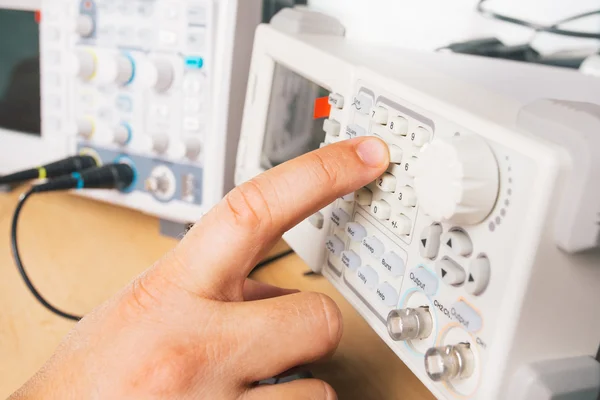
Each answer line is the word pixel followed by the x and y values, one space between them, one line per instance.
pixel 79 252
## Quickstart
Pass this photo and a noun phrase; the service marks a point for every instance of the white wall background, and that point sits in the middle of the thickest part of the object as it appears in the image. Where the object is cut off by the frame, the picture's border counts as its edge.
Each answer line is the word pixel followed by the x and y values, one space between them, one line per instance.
pixel 429 24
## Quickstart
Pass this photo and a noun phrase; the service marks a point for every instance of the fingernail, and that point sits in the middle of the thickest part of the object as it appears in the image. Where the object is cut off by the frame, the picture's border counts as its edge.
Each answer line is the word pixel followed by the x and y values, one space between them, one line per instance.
pixel 373 152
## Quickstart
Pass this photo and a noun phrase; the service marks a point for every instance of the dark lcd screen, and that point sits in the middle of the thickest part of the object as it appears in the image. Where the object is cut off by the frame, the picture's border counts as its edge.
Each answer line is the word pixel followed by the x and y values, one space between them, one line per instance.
pixel 19 72
pixel 291 128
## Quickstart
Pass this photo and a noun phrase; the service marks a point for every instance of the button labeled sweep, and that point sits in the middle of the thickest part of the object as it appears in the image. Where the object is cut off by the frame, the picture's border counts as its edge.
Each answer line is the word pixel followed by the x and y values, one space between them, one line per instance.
pixel 451 273
pixel 373 246
pixel 356 231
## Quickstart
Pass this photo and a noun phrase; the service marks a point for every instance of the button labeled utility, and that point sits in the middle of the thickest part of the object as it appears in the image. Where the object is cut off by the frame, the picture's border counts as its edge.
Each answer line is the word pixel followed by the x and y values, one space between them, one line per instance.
pixel 368 276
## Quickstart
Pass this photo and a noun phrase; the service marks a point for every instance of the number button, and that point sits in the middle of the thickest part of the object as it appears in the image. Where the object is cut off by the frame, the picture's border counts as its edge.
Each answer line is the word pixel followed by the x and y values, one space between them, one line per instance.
pixel 395 154
pixel 407 196
pixel 420 137
pixel 363 197
pixel 387 183
pixel 379 115
pixel 381 209
pixel 398 126
pixel 409 166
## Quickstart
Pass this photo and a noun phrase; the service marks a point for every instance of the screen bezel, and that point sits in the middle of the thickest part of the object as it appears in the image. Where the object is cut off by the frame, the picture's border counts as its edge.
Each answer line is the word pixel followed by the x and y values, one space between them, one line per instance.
pixel 19 150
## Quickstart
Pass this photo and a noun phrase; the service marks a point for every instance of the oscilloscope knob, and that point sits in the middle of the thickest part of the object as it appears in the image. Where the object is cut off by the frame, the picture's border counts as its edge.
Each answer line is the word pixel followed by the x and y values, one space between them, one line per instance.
pixel 162 74
pixel 456 180
pixel 160 143
pixel 84 26
pixel 115 68
pixel 86 64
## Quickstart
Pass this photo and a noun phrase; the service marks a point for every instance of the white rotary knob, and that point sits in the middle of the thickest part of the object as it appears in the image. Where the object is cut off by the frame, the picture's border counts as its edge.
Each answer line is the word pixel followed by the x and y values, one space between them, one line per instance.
pixel 457 180
pixel 162 75
pixel 84 25
pixel 114 68
pixel 85 64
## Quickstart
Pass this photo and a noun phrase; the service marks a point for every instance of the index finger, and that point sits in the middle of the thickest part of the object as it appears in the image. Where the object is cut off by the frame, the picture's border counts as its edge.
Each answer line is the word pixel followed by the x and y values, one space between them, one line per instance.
pixel 219 252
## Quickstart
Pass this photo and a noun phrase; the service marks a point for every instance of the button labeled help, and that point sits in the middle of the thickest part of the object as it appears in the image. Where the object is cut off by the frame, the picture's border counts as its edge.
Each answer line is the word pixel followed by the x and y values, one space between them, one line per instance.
pixel 424 280
pixel 466 316
pixel 387 294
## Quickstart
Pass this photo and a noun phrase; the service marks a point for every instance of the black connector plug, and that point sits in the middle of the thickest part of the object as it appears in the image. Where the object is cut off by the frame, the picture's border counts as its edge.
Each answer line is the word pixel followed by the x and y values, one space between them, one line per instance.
pixel 53 170
pixel 111 176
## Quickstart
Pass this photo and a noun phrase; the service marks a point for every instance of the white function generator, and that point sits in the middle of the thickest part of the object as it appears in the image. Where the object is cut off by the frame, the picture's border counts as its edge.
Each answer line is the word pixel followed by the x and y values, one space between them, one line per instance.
pixel 156 83
pixel 475 256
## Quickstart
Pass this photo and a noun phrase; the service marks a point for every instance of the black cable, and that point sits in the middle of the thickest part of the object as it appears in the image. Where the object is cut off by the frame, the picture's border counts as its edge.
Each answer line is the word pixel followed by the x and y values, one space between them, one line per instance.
pixel 113 176
pixel 271 260
pixel 19 263
pixel 554 28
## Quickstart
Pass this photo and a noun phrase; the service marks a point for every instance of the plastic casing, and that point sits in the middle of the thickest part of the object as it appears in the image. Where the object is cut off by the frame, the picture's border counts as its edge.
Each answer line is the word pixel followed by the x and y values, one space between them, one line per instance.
pixel 541 301
pixel 208 107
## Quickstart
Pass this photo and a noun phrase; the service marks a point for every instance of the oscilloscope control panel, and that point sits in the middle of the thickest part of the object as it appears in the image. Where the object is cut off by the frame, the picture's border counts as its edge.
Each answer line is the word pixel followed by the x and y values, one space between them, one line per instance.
pixel 452 255
pixel 146 82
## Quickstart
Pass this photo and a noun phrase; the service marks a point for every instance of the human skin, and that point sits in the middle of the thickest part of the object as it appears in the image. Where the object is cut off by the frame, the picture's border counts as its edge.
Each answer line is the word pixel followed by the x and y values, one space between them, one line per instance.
pixel 193 326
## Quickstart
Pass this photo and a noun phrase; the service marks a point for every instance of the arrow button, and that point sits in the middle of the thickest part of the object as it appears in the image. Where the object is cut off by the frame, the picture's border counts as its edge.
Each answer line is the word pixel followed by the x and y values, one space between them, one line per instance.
pixel 459 242
pixel 479 276
pixel 430 241
pixel 451 273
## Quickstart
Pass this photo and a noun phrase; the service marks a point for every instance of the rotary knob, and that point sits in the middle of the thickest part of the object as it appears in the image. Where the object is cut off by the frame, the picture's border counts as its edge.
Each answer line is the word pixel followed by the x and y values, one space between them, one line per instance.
pixel 85 128
pixel 193 148
pixel 122 134
pixel 162 74
pixel 115 68
pixel 457 180
pixel 86 64
pixel 85 26
pixel 160 143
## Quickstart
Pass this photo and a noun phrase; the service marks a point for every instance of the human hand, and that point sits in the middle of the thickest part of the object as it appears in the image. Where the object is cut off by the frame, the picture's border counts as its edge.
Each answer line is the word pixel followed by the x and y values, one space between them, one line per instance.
pixel 193 326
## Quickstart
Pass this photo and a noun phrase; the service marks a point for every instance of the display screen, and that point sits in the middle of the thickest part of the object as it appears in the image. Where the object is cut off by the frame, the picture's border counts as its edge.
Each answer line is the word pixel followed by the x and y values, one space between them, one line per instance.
pixel 19 72
pixel 292 129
